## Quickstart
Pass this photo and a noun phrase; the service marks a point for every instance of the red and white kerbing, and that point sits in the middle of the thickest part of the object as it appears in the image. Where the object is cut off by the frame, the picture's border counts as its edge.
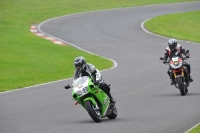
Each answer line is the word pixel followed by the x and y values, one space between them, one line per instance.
pixel 34 30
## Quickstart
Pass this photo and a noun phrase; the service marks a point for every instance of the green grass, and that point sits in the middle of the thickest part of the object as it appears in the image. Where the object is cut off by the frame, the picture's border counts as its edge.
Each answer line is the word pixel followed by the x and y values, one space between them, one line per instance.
pixel 25 58
pixel 184 26
pixel 195 130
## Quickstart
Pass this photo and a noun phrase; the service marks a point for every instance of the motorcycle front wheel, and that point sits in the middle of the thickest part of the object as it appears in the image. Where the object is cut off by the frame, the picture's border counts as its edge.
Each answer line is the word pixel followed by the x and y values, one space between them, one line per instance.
pixel 93 111
pixel 181 86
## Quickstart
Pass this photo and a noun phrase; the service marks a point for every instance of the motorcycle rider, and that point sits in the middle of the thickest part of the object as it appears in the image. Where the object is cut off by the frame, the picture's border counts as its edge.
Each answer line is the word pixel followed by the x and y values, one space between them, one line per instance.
pixel 176 49
pixel 87 69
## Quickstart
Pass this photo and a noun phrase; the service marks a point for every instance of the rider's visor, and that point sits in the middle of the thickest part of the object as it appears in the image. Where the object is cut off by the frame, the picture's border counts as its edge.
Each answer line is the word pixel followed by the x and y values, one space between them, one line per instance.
pixel 78 66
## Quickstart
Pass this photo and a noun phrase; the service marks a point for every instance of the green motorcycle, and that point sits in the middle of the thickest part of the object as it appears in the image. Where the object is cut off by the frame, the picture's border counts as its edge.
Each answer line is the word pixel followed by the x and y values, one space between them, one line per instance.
pixel 93 99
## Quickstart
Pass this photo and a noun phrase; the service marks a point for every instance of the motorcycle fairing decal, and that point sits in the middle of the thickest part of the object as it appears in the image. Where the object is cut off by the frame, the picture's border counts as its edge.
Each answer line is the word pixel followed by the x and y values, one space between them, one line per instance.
pixel 106 101
pixel 176 62
pixel 105 111
pixel 175 59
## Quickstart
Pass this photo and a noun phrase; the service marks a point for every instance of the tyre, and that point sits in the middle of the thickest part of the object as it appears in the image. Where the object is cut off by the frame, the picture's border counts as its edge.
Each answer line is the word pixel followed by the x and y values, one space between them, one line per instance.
pixel 181 86
pixel 93 111
pixel 113 115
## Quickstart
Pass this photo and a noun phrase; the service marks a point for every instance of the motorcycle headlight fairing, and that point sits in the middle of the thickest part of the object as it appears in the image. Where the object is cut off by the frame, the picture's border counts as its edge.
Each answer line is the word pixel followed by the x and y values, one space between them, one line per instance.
pixel 85 89
pixel 176 66
pixel 176 63
pixel 79 92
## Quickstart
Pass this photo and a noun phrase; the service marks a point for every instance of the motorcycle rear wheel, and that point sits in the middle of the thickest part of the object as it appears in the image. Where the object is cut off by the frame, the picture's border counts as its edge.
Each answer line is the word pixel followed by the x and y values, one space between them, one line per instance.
pixel 92 111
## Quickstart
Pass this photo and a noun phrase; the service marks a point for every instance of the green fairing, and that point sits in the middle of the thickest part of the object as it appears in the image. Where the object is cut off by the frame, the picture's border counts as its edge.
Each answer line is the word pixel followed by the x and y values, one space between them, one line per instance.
pixel 94 94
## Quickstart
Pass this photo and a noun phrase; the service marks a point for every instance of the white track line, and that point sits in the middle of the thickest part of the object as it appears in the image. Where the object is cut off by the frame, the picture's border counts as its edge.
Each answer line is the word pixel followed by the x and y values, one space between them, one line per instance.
pixel 142 26
pixel 192 128
pixel 35 85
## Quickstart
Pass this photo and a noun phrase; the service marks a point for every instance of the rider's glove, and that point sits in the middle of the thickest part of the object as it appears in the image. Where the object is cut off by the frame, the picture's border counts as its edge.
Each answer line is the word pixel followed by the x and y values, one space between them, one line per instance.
pixel 187 54
pixel 67 86
pixel 164 61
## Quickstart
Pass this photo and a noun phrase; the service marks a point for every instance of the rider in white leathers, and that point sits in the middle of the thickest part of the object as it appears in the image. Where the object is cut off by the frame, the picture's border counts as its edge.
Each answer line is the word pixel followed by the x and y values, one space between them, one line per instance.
pixel 87 69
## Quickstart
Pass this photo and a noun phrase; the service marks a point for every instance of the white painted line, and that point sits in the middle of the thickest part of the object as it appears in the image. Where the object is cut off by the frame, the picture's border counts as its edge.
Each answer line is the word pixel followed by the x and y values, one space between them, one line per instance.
pixel 35 86
pixel 192 128
pixel 142 26
pixel 115 63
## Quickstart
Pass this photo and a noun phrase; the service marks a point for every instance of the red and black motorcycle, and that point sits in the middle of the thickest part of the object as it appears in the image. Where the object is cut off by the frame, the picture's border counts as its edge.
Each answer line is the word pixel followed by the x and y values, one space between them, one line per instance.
pixel 179 72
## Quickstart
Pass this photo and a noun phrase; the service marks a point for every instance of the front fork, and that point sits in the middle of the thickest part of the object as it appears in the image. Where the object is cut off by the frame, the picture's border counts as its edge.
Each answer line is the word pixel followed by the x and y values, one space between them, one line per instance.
pixel 183 74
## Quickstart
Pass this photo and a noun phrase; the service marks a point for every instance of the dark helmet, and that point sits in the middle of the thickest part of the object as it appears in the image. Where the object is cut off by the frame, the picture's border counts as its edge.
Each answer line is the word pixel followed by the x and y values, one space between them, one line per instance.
pixel 79 63
pixel 172 43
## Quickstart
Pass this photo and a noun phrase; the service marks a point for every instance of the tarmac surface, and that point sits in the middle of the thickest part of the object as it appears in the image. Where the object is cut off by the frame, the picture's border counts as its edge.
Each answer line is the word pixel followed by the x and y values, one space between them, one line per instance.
pixel 146 101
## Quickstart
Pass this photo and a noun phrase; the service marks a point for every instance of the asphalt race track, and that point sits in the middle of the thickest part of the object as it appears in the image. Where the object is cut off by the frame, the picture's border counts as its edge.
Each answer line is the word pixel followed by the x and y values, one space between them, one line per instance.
pixel 146 101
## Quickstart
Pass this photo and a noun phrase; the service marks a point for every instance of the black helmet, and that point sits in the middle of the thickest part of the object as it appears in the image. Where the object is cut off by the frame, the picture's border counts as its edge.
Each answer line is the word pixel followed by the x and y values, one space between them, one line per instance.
pixel 172 43
pixel 79 63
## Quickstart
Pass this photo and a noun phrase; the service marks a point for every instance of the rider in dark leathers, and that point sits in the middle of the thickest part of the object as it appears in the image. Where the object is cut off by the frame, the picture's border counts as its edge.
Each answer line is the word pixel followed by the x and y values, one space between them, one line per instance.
pixel 176 49
pixel 87 69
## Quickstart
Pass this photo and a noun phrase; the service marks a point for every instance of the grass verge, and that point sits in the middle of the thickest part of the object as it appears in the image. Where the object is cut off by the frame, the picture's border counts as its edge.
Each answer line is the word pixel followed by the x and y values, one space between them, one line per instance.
pixel 26 59
pixel 184 26
pixel 195 130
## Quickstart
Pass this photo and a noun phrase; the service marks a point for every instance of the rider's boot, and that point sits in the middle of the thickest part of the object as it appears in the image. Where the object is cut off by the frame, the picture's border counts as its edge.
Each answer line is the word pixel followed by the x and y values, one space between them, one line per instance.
pixel 187 80
pixel 170 76
pixel 112 100
pixel 190 78
pixel 172 80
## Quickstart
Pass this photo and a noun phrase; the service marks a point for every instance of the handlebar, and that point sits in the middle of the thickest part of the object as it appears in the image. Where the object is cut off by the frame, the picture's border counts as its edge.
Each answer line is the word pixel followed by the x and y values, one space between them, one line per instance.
pixel 67 87
pixel 162 58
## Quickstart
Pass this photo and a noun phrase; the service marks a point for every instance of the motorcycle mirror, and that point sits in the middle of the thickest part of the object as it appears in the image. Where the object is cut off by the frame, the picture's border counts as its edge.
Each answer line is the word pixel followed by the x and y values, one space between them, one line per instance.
pixel 161 58
pixel 67 86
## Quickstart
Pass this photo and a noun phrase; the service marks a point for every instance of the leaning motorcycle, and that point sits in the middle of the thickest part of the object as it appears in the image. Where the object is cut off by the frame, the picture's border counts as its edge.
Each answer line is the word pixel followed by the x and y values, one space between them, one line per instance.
pixel 92 98
pixel 179 72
